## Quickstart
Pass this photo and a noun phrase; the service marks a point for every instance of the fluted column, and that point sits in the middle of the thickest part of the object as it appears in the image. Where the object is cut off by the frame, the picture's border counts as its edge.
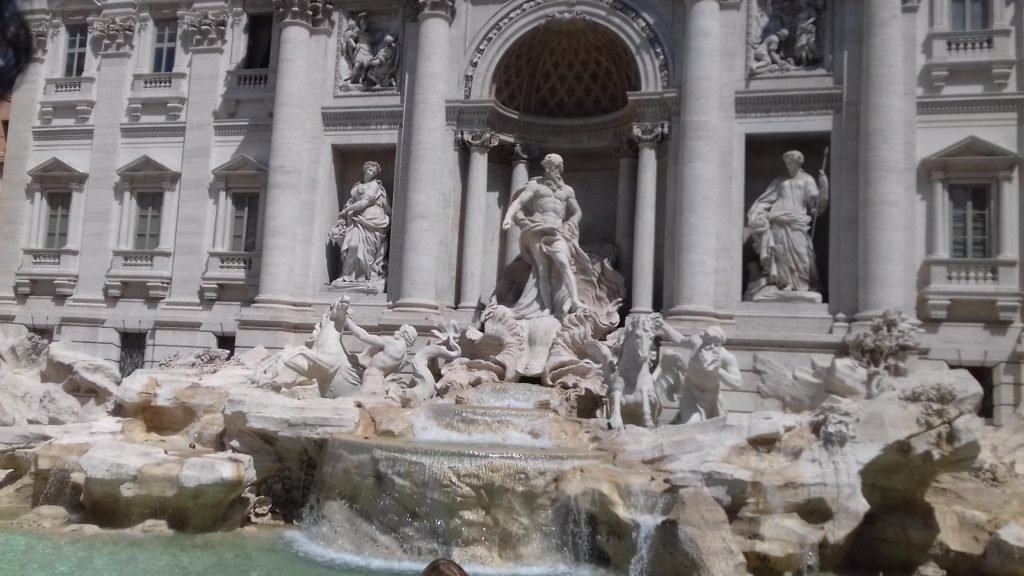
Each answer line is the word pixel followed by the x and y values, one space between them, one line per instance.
pixel 479 144
pixel 695 211
pixel 647 137
pixel 520 176
pixel 938 246
pixel 426 184
pixel 1007 217
pixel 282 229
pixel 625 209
pixel 883 189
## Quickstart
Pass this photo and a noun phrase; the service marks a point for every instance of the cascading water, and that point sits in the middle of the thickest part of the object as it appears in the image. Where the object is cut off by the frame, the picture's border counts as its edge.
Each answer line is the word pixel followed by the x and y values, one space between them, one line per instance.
pixel 646 527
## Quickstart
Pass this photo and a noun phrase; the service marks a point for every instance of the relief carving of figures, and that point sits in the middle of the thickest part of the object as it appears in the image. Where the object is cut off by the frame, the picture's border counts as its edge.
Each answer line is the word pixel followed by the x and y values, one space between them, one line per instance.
pixel 781 223
pixel 787 36
pixel 113 34
pixel 369 54
pixel 361 232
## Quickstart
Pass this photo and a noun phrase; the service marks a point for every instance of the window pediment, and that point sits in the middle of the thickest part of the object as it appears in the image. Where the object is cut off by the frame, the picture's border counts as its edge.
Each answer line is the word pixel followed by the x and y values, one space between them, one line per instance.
pixel 146 166
pixel 973 155
pixel 241 165
pixel 55 169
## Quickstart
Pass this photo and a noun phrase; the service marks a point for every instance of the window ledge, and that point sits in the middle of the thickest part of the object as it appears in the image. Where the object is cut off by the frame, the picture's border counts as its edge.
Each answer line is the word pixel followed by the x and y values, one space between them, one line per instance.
pixel 228 268
pixel 988 281
pixel 40 267
pixel 164 90
pixel 970 51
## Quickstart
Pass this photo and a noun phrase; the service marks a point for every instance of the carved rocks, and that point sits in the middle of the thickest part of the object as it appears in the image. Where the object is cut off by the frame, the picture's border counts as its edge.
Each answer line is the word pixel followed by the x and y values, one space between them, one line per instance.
pixel 788 36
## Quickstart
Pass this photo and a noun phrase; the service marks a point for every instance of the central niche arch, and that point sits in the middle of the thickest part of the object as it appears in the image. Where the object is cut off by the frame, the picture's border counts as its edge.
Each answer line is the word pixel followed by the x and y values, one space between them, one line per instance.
pixel 566 69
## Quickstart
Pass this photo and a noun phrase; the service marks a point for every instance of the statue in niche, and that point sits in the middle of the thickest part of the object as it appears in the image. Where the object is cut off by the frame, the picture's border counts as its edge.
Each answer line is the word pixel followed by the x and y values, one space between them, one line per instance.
pixel 781 223
pixel 787 36
pixel 548 215
pixel 697 383
pixel 371 55
pixel 361 232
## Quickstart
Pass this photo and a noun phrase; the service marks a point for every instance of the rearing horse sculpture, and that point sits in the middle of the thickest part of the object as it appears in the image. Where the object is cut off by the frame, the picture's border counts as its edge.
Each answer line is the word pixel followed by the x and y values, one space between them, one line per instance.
pixel 630 381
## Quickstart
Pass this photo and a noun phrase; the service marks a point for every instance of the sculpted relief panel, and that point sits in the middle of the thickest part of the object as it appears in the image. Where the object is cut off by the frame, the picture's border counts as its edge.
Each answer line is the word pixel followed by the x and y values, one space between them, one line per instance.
pixel 789 37
pixel 368 52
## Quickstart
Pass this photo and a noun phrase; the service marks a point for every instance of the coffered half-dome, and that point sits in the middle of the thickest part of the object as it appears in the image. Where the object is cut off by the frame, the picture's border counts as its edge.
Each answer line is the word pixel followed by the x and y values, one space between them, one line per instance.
pixel 567 69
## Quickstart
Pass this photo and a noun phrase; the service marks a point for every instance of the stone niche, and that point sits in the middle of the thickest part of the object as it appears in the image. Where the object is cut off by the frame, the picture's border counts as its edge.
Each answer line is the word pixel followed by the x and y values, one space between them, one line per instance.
pixel 762 165
pixel 348 171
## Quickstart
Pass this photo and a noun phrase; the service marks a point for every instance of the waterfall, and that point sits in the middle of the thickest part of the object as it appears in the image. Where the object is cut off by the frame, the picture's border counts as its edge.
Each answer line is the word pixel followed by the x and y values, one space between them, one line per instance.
pixel 646 526
pixel 580 532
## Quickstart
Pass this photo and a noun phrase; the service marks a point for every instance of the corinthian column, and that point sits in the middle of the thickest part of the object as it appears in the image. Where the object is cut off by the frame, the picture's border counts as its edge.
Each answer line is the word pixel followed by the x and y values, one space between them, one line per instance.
pixel 882 151
pixel 647 137
pixel 479 144
pixel 697 186
pixel 426 185
pixel 520 176
pixel 282 229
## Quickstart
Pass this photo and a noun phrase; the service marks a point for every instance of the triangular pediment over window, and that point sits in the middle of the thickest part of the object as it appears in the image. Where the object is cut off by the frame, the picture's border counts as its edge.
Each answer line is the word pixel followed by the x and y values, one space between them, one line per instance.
pixel 973 154
pixel 74 4
pixel 145 166
pixel 58 169
pixel 241 165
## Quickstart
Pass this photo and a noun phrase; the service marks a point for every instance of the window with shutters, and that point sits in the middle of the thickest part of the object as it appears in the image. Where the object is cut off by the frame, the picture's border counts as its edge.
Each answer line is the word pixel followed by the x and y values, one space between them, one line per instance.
pixel 58 213
pixel 971 221
pixel 244 220
pixel 74 57
pixel 148 205
pixel 164 45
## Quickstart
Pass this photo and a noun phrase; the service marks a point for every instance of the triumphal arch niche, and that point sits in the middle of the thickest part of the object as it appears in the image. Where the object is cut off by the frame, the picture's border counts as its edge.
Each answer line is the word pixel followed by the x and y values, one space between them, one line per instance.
pixel 590 83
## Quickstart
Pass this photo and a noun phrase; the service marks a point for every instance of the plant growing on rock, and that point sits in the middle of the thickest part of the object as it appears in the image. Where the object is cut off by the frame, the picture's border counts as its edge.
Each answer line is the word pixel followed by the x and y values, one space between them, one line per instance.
pixel 883 350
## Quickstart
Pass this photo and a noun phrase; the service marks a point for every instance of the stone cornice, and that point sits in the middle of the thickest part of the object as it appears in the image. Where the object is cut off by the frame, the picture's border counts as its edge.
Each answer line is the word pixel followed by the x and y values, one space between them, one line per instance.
pixel 315 13
pixel 362 119
pixel 68 133
pixel 240 128
pixel 1008 104
pixel 160 130
pixel 767 103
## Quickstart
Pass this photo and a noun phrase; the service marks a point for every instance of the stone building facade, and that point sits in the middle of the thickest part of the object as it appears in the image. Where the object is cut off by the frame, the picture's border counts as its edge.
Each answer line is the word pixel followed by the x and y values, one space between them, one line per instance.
pixel 175 169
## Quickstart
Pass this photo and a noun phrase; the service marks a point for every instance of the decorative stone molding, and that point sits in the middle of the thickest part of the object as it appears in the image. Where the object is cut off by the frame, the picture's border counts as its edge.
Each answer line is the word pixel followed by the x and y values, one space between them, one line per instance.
pixel 1009 104
pixel 176 130
pixel 770 103
pixel 789 38
pixel 362 119
pixel 113 34
pixel 650 133
pixel 316 13
pixel 642 24
pixel 46 133
pixel 442 8
pixel 42 31
pixel 478 139
pixel 240 128
pixel 203 28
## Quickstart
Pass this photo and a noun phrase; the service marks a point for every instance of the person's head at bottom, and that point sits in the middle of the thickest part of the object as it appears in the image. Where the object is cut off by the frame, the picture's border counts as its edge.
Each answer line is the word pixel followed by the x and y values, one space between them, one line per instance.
pixel 443 567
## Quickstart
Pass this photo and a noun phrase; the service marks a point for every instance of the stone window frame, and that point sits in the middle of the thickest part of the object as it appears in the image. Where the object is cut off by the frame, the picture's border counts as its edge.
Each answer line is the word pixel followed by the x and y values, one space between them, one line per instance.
pixel 144 176
pixel 990 49
pixel 991 226
pixel 169 47
pixel 241 174
pixel 989 15
pixel 81 52
pixel 54 176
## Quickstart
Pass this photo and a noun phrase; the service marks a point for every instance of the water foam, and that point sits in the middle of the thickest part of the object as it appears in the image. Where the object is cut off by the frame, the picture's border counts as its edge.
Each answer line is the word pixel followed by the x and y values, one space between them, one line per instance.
pixel 310 549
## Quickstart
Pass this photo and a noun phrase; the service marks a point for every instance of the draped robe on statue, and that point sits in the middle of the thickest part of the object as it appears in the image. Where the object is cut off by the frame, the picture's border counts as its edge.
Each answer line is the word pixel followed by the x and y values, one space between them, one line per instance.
pixel 365 236
pixel 780 222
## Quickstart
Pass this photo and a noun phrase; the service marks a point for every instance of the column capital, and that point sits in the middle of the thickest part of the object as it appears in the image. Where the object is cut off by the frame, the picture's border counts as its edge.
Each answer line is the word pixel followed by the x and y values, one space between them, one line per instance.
pixel 522 153
pixel 478 139
pixel 435 8
pixel 937 176
pixel 651 133
pixel 203 28
pixel 113 34
pixel 1005 176
pixel 315 13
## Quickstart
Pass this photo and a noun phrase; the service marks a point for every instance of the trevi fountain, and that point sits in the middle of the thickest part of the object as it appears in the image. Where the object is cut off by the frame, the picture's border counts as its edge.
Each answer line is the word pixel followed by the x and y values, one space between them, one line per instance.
pixel 556 435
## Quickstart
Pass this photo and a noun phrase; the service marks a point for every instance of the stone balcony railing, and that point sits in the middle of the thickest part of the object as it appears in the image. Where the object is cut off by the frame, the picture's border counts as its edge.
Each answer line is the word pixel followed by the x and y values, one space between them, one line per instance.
pixel 47 266
pixel 165 89
pixel 149 268
pixel 249 85
pixel 77 93
pixel 991 283
pixel 975 50
pixel 225 268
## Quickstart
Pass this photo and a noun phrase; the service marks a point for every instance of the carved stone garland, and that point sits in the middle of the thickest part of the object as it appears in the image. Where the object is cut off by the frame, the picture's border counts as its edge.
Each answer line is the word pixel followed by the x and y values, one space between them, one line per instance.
pixel 204 28
pixel 657 47
pixel 113 34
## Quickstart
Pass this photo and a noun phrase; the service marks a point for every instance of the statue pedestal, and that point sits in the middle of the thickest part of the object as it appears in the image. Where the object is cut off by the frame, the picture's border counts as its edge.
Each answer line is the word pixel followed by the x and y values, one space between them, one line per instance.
pixel 364 287
pixel 773 294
